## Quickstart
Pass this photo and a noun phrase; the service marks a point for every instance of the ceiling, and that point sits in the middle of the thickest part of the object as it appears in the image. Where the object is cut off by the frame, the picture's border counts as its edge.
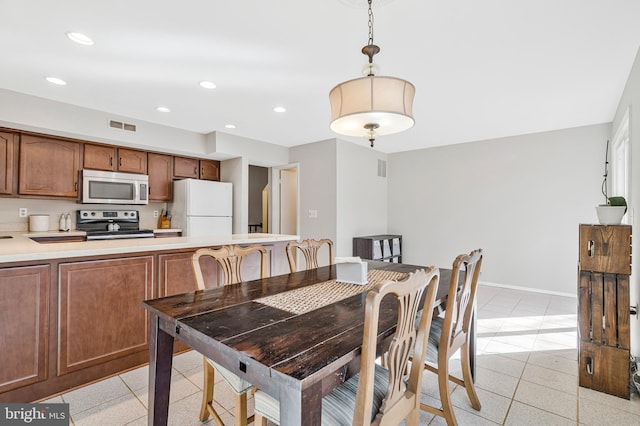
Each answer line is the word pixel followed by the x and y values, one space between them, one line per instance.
pixel 482 69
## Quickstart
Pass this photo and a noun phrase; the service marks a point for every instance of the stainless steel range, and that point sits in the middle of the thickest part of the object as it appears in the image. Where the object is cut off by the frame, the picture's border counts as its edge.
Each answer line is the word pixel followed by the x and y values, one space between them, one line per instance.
pixel 111 224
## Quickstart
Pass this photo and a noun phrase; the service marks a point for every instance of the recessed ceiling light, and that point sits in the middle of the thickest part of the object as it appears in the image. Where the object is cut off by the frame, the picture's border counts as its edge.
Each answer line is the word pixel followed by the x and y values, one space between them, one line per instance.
pixel 79 38
pixel 207 84
pixel 163 109
pixel 280 109
pixel 56 80
pixel 230 126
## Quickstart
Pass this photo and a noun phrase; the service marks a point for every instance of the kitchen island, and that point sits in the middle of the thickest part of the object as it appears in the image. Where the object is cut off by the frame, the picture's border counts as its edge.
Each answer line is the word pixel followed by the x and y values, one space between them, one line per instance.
pixel 71 311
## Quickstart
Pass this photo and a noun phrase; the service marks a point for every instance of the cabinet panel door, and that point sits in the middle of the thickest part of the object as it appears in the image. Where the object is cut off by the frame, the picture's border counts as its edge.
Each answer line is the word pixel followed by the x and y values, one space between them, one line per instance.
pixel 132 161
pixel 49 167
pixel 184 167
pixel 160 177
pixel 101 316
pixel 209 169
pixel 98 157
pixel 24 325
pixel 8 162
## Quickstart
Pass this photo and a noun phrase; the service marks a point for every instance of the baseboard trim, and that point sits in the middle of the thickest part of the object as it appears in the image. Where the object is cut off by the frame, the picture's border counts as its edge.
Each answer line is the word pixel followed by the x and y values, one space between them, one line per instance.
pixel 530 289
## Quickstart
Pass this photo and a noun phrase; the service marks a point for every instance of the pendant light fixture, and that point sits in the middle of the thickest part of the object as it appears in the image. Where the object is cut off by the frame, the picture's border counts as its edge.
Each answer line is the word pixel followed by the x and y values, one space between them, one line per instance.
pixel 372 106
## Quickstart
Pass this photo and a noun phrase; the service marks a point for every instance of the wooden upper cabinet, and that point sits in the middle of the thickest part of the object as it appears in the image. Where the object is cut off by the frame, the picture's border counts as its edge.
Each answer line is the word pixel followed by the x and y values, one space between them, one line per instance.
pixel 8 162
pixel 99 157
pixel 160 176
pixel 132 161
pixel 104 157
pixel 49 167
pixel 184 167
pixel 209 169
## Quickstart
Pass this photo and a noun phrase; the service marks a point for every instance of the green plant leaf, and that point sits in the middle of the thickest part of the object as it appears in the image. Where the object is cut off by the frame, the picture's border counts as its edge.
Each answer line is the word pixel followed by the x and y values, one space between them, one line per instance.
pixel 618 201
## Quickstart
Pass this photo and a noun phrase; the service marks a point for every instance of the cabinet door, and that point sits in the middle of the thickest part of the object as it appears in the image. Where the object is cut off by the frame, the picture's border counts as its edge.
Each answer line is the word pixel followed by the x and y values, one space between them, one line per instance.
pixel 8 162
pixel 184 167
pixel 24 325
pixel 132 161
pixel 49 167
pixel 209 169
pixel 176 273
pixel 101 317
pixel 99 157
pixel 160 177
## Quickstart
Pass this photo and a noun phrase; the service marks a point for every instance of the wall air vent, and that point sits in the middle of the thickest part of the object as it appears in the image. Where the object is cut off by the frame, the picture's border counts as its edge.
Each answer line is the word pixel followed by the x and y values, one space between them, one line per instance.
pixel 122 126
pixel 382 168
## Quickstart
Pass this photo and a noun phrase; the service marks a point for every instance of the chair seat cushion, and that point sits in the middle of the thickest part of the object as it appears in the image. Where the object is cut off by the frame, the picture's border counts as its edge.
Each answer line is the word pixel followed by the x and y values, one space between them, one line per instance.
pixel 338 406
pixel 237 384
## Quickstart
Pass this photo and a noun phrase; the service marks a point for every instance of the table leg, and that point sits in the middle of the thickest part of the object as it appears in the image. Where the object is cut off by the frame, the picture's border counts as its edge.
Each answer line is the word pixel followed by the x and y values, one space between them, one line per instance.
pixel 301 408
pixel 160 359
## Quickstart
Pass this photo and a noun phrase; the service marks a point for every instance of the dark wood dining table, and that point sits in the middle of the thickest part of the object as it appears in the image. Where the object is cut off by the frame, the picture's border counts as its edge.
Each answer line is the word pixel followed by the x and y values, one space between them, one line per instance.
pixel 296 358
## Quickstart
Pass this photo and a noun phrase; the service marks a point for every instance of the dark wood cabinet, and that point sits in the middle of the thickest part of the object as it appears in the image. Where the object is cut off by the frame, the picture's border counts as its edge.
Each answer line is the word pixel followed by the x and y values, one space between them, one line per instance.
pixel 132 161
pixel 184 167
pixel 24 325
pixel 99 157
pixel 387 248
pixel 111 158
pixel 160 177
pixel 604 308
pixel 101 317
pixel 193 168
pixel 49 167
pixel 210 170
pixel 8 162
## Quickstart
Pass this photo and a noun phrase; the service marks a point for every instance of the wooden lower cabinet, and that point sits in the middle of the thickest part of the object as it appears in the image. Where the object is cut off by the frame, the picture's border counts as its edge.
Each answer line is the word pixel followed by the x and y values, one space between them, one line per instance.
pixel 74 321
pixel 24 325
pixel 101 317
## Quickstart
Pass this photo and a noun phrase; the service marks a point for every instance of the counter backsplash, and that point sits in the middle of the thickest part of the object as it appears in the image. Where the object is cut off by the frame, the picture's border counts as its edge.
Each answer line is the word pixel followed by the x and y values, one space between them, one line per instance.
pixel 10 220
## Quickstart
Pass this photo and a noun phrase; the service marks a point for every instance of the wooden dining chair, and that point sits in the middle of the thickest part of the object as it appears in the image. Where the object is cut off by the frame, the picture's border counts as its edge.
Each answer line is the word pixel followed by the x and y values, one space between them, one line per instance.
pixel 309 249
pixel 378 395
pixel 230 259
pixel 452 332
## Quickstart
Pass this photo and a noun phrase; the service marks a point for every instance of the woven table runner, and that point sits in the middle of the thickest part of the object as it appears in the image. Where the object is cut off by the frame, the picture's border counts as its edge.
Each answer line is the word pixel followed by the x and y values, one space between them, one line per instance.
pixel 315 296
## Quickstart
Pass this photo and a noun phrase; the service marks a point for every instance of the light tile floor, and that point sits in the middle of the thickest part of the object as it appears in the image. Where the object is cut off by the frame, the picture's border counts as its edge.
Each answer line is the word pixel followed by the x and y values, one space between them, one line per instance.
pixel 527 374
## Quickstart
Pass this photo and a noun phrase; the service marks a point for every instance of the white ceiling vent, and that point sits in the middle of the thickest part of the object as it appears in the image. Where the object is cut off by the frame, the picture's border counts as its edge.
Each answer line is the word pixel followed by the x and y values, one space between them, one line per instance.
pixel 382 168
pixel 123 126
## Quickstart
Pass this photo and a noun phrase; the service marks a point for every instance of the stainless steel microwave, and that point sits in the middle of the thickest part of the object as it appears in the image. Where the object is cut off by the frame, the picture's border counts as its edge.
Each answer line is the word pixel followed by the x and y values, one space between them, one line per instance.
pixel 100 187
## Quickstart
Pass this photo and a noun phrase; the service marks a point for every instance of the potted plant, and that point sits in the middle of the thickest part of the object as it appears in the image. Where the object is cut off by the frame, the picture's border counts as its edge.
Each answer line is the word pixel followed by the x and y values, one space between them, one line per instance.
pixel 614 209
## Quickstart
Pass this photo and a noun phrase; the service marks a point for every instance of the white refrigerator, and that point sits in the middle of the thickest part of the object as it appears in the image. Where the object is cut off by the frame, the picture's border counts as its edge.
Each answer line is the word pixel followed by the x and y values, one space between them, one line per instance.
pixel 202 207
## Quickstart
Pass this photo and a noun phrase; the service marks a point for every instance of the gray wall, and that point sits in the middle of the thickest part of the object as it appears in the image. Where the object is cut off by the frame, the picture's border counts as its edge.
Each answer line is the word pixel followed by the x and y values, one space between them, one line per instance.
pixel 519 198
pixel 258 179
pixel 317 188
pixel 361 195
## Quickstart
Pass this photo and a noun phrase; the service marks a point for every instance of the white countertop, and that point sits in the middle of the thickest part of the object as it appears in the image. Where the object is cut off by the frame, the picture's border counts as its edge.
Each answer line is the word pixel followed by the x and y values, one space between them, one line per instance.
pixel 22 248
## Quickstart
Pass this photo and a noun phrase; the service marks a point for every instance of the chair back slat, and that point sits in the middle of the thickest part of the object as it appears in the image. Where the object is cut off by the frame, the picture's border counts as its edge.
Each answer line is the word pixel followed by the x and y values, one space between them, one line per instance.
pixel 309 249
pixel 401 398
pixel 230 259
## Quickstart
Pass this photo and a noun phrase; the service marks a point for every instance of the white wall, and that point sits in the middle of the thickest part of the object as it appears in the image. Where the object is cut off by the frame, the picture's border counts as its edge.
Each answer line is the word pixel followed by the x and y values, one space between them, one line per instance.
pixel 361 195
pixel 24 112
pixel 631 99
pixel 519 198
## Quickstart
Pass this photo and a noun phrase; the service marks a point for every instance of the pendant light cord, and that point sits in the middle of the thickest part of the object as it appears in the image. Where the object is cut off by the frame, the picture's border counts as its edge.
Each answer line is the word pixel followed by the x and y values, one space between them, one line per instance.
pixel 370 24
